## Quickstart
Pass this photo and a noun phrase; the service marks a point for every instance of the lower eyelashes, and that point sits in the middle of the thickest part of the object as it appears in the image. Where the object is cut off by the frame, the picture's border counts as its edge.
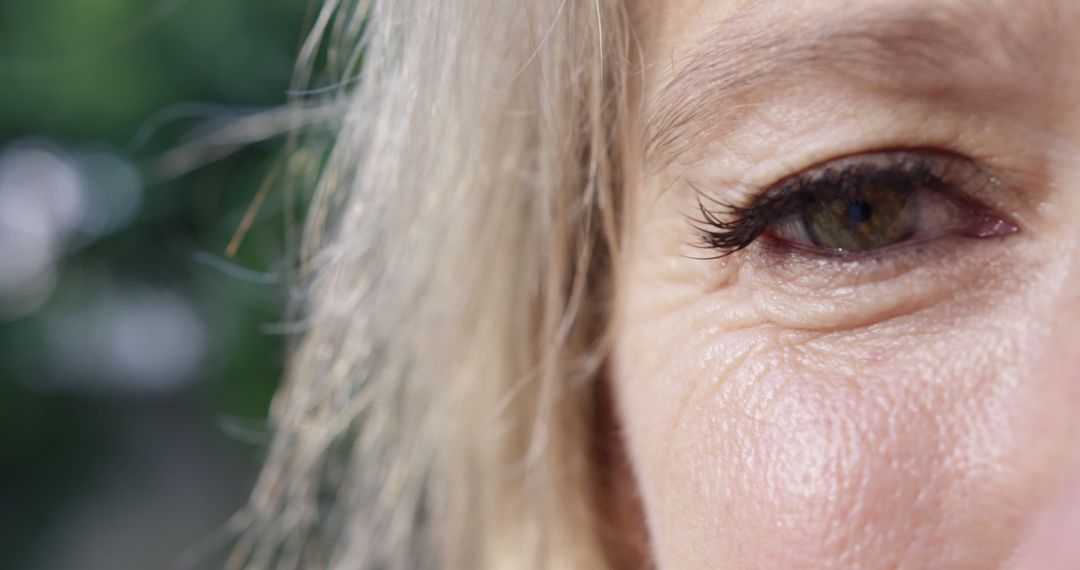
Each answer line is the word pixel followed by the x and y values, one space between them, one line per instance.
pixel 860 205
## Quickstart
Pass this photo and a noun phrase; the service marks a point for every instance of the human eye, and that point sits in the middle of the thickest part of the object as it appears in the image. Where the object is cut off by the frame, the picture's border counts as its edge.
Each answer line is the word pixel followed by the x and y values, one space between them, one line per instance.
pixel 861 205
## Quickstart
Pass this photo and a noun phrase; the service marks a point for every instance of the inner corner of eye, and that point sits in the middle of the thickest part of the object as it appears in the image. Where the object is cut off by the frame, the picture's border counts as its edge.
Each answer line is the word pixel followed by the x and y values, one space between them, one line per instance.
pixel 986 224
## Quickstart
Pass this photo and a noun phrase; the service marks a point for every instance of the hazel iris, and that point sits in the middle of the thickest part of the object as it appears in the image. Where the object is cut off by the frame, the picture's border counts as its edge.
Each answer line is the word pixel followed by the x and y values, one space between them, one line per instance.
pixel 863 218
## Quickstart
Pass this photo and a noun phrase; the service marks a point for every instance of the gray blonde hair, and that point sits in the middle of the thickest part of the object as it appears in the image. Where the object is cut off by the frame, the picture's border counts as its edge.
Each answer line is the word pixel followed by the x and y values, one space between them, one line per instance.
pixel 457 263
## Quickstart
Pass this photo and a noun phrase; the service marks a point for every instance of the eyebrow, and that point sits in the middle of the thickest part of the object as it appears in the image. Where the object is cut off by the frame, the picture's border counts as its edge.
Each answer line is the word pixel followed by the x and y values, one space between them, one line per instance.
pixel 971 48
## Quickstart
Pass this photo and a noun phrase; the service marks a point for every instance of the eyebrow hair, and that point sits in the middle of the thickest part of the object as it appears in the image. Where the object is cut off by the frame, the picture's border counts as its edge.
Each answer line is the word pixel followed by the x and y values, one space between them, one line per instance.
pixel 915 50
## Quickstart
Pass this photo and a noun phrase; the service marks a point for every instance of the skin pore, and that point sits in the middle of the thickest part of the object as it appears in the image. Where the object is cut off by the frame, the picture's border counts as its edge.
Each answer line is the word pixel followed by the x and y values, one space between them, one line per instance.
pixel 916 406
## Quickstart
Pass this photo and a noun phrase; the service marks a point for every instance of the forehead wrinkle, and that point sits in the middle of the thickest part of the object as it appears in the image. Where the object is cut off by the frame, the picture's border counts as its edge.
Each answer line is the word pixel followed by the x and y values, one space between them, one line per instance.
pixel 922 49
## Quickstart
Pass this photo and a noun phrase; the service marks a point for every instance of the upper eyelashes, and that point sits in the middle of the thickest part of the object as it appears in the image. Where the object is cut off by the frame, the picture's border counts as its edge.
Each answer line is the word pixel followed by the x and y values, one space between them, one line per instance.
pixel 859 204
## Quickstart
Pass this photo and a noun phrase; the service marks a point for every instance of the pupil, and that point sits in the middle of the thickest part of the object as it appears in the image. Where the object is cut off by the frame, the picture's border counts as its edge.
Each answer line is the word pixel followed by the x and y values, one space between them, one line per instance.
pixel 859 211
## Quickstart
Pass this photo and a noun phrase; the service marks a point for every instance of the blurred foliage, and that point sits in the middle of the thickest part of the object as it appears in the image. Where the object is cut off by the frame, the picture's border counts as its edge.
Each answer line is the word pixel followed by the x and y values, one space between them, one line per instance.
pixel 136 77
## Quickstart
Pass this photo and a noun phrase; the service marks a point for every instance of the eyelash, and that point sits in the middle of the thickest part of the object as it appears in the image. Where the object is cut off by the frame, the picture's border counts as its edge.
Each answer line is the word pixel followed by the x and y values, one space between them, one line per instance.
pixel 731 228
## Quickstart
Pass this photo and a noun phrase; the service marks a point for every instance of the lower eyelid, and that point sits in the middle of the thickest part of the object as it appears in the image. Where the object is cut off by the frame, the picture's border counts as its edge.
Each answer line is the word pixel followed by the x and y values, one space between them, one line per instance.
pixel 805 290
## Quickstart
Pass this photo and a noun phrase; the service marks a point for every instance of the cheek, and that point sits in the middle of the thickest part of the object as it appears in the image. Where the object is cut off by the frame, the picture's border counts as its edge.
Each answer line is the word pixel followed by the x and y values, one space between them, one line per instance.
pixel 824 473
pixel 929 423
pixel 893 449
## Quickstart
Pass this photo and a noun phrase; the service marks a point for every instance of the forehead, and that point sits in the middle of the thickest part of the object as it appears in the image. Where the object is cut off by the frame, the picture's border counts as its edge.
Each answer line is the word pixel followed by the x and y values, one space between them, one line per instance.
pixel 705 58
pixel 696 20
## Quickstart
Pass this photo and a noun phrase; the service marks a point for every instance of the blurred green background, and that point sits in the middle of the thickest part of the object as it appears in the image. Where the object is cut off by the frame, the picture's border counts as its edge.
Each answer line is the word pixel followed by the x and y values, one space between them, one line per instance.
pixel 137 359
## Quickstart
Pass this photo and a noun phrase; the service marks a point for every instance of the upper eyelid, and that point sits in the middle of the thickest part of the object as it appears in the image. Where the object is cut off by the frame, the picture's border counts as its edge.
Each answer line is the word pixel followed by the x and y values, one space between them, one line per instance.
pixel 943 164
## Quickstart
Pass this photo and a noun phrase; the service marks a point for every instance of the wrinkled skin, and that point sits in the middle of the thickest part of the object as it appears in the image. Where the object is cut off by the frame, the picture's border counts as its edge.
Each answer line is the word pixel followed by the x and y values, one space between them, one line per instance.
pixel 917 408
